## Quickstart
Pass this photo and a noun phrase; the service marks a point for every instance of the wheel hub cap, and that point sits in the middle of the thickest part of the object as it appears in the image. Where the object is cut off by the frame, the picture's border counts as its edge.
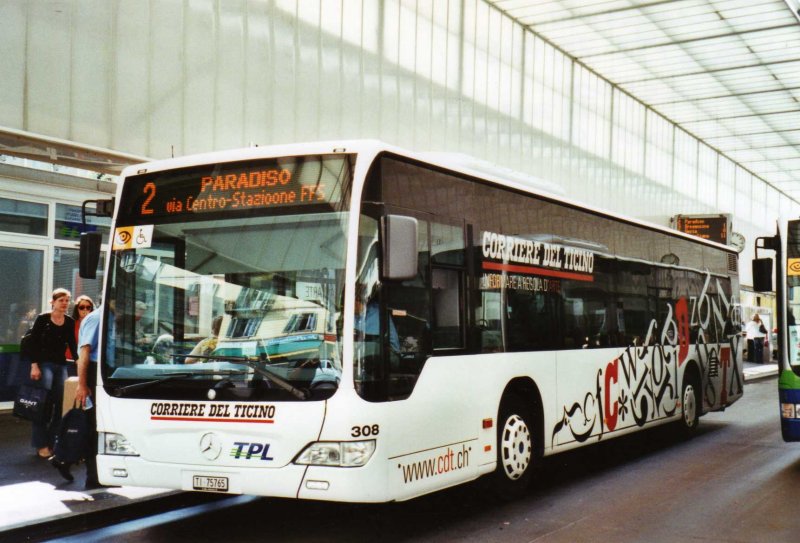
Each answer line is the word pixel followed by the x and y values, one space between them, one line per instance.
pixel 689 406
pixel 515 447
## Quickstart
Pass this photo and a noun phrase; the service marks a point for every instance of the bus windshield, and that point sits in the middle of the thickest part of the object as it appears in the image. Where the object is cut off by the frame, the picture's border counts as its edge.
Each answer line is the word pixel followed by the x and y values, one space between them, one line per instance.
pixel 236 302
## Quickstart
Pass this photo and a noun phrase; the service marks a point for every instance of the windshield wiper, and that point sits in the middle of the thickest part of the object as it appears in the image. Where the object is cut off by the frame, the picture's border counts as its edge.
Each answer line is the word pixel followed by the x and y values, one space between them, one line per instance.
pixel 165 377
pixel 254 362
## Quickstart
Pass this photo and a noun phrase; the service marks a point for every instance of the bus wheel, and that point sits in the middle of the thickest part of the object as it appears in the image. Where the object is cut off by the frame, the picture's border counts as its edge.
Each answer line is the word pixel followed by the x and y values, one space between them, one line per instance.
pixel 515 449
pixel 690 398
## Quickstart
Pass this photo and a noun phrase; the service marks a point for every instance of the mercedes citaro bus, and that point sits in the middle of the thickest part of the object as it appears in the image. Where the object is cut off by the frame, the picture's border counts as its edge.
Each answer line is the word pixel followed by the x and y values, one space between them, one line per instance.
pixel 377 325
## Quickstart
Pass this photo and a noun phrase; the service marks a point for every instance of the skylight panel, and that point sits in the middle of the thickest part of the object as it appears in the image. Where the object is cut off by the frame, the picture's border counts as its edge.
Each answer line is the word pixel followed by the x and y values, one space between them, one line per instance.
pixel 728 142
pixel 752 21
pixel 747 156
pixel 785 121
pixel 727 71
pixel 784 181
pixel 770 102
pixel 656 91
pixel 697 85
pixel 683 111
pixel 777 153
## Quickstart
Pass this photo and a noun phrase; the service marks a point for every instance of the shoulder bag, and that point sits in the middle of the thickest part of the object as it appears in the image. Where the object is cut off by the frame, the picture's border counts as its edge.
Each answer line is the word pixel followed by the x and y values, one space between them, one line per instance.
pixel 32 403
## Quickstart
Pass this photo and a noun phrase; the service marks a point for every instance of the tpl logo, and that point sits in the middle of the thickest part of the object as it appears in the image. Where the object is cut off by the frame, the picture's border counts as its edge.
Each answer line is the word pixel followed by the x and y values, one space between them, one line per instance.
pixel 254 450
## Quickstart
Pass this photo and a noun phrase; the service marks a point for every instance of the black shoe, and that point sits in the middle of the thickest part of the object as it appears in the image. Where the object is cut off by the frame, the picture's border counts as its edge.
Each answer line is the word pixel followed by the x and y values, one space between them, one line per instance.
pixel 91 484
pixel 62 467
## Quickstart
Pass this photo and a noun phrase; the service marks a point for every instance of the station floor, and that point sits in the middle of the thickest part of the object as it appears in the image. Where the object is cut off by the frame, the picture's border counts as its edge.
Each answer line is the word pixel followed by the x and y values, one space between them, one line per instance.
pixel 33 492
pixel 33 495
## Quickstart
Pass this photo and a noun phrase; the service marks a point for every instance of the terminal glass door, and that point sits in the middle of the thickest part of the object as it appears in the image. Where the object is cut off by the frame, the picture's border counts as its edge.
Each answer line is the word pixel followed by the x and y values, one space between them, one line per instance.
pixel 20 302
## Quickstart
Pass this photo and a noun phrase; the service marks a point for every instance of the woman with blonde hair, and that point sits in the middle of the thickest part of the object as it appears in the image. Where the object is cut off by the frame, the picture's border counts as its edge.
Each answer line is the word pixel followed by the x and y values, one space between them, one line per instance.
pixel 52 333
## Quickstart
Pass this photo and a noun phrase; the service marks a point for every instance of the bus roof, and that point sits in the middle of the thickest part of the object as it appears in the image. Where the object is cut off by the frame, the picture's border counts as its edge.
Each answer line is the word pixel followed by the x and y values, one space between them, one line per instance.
pixel 371 148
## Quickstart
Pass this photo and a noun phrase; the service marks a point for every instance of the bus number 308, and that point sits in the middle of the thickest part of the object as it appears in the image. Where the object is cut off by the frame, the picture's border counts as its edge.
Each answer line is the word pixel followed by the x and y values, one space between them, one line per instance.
pixel 365 431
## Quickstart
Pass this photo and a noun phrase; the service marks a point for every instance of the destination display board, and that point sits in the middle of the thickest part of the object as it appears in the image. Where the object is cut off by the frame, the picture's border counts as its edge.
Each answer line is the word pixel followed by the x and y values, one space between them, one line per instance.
pixel 710 227
pixel 238 186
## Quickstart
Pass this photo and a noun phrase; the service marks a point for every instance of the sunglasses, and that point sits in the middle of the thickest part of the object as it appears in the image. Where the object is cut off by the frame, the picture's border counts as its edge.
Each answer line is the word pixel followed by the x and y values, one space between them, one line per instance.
pixel 86 307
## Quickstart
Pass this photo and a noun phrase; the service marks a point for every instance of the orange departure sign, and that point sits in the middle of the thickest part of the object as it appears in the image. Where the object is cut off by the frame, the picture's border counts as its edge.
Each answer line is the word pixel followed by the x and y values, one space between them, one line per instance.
pixel 710 227
pixel 231 187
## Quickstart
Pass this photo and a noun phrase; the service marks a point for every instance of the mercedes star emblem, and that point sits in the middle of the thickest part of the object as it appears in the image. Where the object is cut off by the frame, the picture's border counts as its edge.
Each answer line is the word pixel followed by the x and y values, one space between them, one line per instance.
pixel 210 446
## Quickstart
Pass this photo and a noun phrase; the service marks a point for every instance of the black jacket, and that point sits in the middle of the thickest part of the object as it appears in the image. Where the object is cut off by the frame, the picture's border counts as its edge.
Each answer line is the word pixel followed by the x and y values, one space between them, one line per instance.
pixel 51 341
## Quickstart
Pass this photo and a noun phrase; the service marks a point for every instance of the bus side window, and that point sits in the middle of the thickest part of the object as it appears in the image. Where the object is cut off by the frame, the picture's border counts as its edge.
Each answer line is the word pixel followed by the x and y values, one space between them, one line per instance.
pixel 488 320
pixel 406 325
pixel 447 302
pixel 448 261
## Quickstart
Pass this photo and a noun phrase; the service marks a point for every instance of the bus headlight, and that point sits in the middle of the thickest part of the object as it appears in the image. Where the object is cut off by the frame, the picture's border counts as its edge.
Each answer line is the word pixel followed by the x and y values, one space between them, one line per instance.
pixel 346 454
pixel 116 444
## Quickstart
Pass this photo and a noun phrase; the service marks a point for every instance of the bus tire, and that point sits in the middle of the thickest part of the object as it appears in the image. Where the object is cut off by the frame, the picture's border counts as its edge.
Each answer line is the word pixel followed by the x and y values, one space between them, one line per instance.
pixel 516 450
pixel 690 404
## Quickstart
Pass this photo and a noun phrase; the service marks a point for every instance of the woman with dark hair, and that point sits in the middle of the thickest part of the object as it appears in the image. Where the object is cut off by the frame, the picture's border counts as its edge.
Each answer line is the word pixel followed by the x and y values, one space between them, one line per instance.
pixel 52 333
pixel 83 306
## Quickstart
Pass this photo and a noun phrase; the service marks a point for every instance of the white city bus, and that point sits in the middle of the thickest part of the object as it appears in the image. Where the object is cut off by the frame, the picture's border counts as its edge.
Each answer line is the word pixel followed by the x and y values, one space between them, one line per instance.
pixel 391 325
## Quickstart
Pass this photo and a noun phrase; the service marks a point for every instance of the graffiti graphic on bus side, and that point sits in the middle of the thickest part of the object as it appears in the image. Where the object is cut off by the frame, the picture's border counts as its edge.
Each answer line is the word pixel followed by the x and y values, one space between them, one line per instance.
pixel 641 384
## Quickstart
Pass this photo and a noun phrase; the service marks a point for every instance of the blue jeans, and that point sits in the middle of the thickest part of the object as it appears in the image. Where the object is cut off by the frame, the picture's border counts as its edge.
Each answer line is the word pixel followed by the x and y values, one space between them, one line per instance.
pixel 53 377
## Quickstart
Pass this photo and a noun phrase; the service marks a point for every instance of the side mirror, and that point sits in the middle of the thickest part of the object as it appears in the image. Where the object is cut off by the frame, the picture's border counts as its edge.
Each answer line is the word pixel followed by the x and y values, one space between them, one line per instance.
pixel 762 274
pixel 399 247
pixel 89 256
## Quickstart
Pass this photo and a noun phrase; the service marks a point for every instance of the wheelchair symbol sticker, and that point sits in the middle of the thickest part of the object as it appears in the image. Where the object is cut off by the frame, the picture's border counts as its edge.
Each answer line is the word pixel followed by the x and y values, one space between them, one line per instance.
pixel 132 237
